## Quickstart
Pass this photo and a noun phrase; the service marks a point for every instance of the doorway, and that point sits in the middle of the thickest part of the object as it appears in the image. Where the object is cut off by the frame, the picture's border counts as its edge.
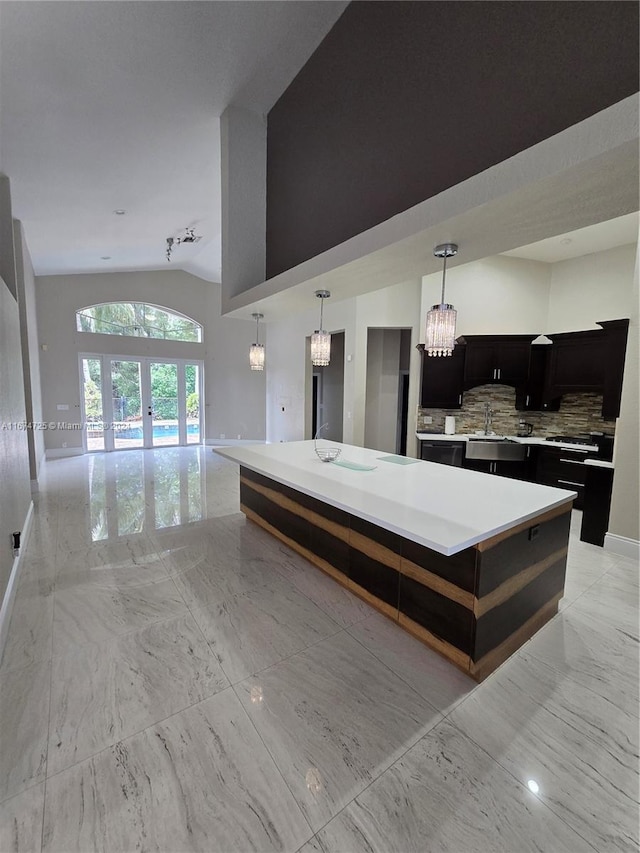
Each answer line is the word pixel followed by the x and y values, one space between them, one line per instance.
pixel 387 389
pixel 328 392
pixel 132 403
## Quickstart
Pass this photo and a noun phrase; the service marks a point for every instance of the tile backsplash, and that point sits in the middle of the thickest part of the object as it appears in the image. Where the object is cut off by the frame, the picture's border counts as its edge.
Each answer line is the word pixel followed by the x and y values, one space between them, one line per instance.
pixel 578 413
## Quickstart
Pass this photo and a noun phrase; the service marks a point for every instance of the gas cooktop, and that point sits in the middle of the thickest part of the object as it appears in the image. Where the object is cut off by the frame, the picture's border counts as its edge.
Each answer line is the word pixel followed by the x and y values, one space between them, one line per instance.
pixel 571 439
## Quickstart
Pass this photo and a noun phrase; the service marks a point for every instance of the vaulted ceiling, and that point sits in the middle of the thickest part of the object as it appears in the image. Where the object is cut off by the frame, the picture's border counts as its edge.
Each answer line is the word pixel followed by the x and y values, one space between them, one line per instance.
pixel 114 106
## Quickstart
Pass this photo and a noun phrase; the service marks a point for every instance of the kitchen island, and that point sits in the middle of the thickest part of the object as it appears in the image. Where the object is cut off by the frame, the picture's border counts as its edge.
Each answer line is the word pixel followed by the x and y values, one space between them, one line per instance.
pixel 471 564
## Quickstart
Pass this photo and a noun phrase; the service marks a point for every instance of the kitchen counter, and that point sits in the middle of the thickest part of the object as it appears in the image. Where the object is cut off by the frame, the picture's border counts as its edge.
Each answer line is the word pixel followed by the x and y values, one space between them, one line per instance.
pixel 443 508
pixel 531 440
pixel 473 565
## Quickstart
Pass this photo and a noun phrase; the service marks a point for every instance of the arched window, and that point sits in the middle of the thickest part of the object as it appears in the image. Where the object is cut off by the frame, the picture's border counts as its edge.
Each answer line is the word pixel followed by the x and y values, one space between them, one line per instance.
pixel 137 320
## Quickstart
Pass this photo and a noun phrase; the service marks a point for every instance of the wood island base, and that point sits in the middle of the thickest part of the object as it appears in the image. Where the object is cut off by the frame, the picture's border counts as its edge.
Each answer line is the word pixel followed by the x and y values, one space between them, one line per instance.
pixel 476 607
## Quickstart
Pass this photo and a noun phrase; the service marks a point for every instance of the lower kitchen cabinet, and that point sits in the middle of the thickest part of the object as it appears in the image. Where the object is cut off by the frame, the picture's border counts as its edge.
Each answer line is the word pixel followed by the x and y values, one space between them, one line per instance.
pixel 564 469
pixel 515 470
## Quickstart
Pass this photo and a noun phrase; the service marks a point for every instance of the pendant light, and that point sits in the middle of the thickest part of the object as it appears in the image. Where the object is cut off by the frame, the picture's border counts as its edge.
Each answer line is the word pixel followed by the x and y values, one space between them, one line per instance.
pixel 441 320
pixel 256 353
pixel 321 340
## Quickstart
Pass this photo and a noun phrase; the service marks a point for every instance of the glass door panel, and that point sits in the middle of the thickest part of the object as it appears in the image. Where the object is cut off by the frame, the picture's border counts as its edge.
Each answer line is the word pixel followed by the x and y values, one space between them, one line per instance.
pixel 192 391
pixel 126 399
pixel 92 399
pixel 164 403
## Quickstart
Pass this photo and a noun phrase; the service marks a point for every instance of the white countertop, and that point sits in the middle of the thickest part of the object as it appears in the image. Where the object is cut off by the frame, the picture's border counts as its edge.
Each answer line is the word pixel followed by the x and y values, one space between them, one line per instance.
pixel 530 439
pixel 439 506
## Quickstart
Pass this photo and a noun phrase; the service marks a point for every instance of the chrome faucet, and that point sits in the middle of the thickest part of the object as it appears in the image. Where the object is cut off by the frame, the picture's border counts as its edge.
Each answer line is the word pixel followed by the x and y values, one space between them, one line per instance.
pixel 488 415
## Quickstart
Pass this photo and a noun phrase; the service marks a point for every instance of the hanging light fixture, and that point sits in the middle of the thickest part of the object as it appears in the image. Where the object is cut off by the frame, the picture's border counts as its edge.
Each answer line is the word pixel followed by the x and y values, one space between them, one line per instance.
pixel 256 353
pixel 321 340
pixel 441 320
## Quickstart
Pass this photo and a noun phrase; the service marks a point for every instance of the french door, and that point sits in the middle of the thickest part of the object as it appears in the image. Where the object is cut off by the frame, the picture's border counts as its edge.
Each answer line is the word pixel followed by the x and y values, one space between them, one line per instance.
pixel 140 402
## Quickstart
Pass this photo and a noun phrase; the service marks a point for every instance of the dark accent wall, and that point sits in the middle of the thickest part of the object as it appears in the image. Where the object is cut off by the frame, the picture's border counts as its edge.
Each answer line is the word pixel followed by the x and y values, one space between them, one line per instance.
pixel 402 100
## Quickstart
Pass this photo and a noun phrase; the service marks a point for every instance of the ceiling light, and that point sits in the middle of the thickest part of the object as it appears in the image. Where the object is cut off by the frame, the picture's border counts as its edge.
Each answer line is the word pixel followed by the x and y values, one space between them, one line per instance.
pixel 256 351
pixel 321 340
pixel 441 320
pixel 189 236
pixel 119 212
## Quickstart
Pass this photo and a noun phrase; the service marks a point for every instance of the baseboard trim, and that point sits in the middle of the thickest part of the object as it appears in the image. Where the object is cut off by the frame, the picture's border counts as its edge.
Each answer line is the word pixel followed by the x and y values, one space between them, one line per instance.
pixel 61 452
pixel 228 442
pixel 10 592
pixel 622 545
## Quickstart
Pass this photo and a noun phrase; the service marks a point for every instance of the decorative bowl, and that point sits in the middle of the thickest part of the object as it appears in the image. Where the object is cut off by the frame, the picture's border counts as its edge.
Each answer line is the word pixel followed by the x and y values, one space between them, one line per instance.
pixel 328 454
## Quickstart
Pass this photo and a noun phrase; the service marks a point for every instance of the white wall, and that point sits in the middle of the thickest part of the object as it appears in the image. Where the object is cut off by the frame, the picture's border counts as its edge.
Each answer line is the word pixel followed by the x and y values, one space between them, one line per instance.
pixel 591 288
pixel 243 154
pixel 383 372
pixel 625 502
pixel 14 454
pixel 26 288
pixel 288 369
pixel 234 395
pixel 495 296
pixel 332 388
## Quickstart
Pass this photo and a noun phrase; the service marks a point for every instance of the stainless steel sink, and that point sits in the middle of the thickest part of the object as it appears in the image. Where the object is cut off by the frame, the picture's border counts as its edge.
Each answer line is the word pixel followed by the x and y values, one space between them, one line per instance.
pixel 495 450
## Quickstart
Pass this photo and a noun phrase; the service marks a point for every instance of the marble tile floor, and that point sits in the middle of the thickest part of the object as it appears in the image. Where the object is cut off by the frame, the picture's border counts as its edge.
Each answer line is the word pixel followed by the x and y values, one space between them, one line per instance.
pixel 175 679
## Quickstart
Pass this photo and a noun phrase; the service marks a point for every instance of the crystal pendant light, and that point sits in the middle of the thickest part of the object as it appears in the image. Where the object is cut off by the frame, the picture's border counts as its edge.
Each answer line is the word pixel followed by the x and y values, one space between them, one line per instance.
pixel 256 353
pixel 441 320
pixel 321 340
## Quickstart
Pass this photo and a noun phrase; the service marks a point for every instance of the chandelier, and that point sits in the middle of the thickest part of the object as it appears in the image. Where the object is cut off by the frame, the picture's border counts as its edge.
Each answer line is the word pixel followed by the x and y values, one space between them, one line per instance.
pixel 441 319
pixel 321 340
pixel 256 352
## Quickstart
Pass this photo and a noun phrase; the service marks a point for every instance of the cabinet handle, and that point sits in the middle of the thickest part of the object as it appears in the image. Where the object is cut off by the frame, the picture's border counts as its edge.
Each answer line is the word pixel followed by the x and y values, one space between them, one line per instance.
pixel 499 372
pixel 460 399
pixel 573 461
pixel 526 402
pixel 571 483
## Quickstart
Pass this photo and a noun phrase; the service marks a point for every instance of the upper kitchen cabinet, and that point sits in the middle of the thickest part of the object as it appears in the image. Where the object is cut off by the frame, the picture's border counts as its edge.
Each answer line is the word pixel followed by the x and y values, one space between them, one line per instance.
pixel 592 360
pixel 442 380
pixel 530 397
pixel 498 359
pixel 616 332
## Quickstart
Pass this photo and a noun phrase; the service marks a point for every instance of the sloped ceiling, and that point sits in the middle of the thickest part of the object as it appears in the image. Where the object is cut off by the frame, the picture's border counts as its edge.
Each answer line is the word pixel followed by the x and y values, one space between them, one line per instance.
pixel 111 106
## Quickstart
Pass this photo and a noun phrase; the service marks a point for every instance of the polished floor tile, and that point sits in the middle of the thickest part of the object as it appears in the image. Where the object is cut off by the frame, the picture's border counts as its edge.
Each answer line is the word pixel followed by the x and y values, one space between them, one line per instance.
pixel 89 614
pixel 447 795
pixel 31 627
pixel 126 563
pixel 24 717
pixel 592 654
pixel 430 675
pixel 580 750
pixel 201 780
pixel 611 603
pixel 334 717
pixel 21 822
pixel 102 694
pixel 342 606
pixel 114 686
pixel 253 631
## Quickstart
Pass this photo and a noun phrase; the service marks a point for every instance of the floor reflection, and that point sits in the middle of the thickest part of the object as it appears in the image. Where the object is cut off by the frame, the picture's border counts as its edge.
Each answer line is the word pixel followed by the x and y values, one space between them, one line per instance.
pixel 141 491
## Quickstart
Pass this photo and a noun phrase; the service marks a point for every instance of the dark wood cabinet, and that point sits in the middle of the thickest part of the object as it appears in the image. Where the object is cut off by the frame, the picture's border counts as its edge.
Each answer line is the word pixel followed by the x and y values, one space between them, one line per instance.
pixel 497 359
pixel 531 396
pixel 513 470
pixel 565 469
pixel 616 332
pixel 576 363
pixel 598 487
pixel 442 380
pixel 589 361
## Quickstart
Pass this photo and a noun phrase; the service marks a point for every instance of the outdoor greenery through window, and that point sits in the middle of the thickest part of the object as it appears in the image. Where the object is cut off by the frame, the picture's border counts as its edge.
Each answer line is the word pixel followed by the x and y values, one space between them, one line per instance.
pixel 138 320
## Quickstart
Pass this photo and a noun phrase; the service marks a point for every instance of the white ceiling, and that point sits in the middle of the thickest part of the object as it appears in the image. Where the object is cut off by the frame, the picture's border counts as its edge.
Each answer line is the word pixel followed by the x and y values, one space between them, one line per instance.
pixel 585 241
pixel 115 105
